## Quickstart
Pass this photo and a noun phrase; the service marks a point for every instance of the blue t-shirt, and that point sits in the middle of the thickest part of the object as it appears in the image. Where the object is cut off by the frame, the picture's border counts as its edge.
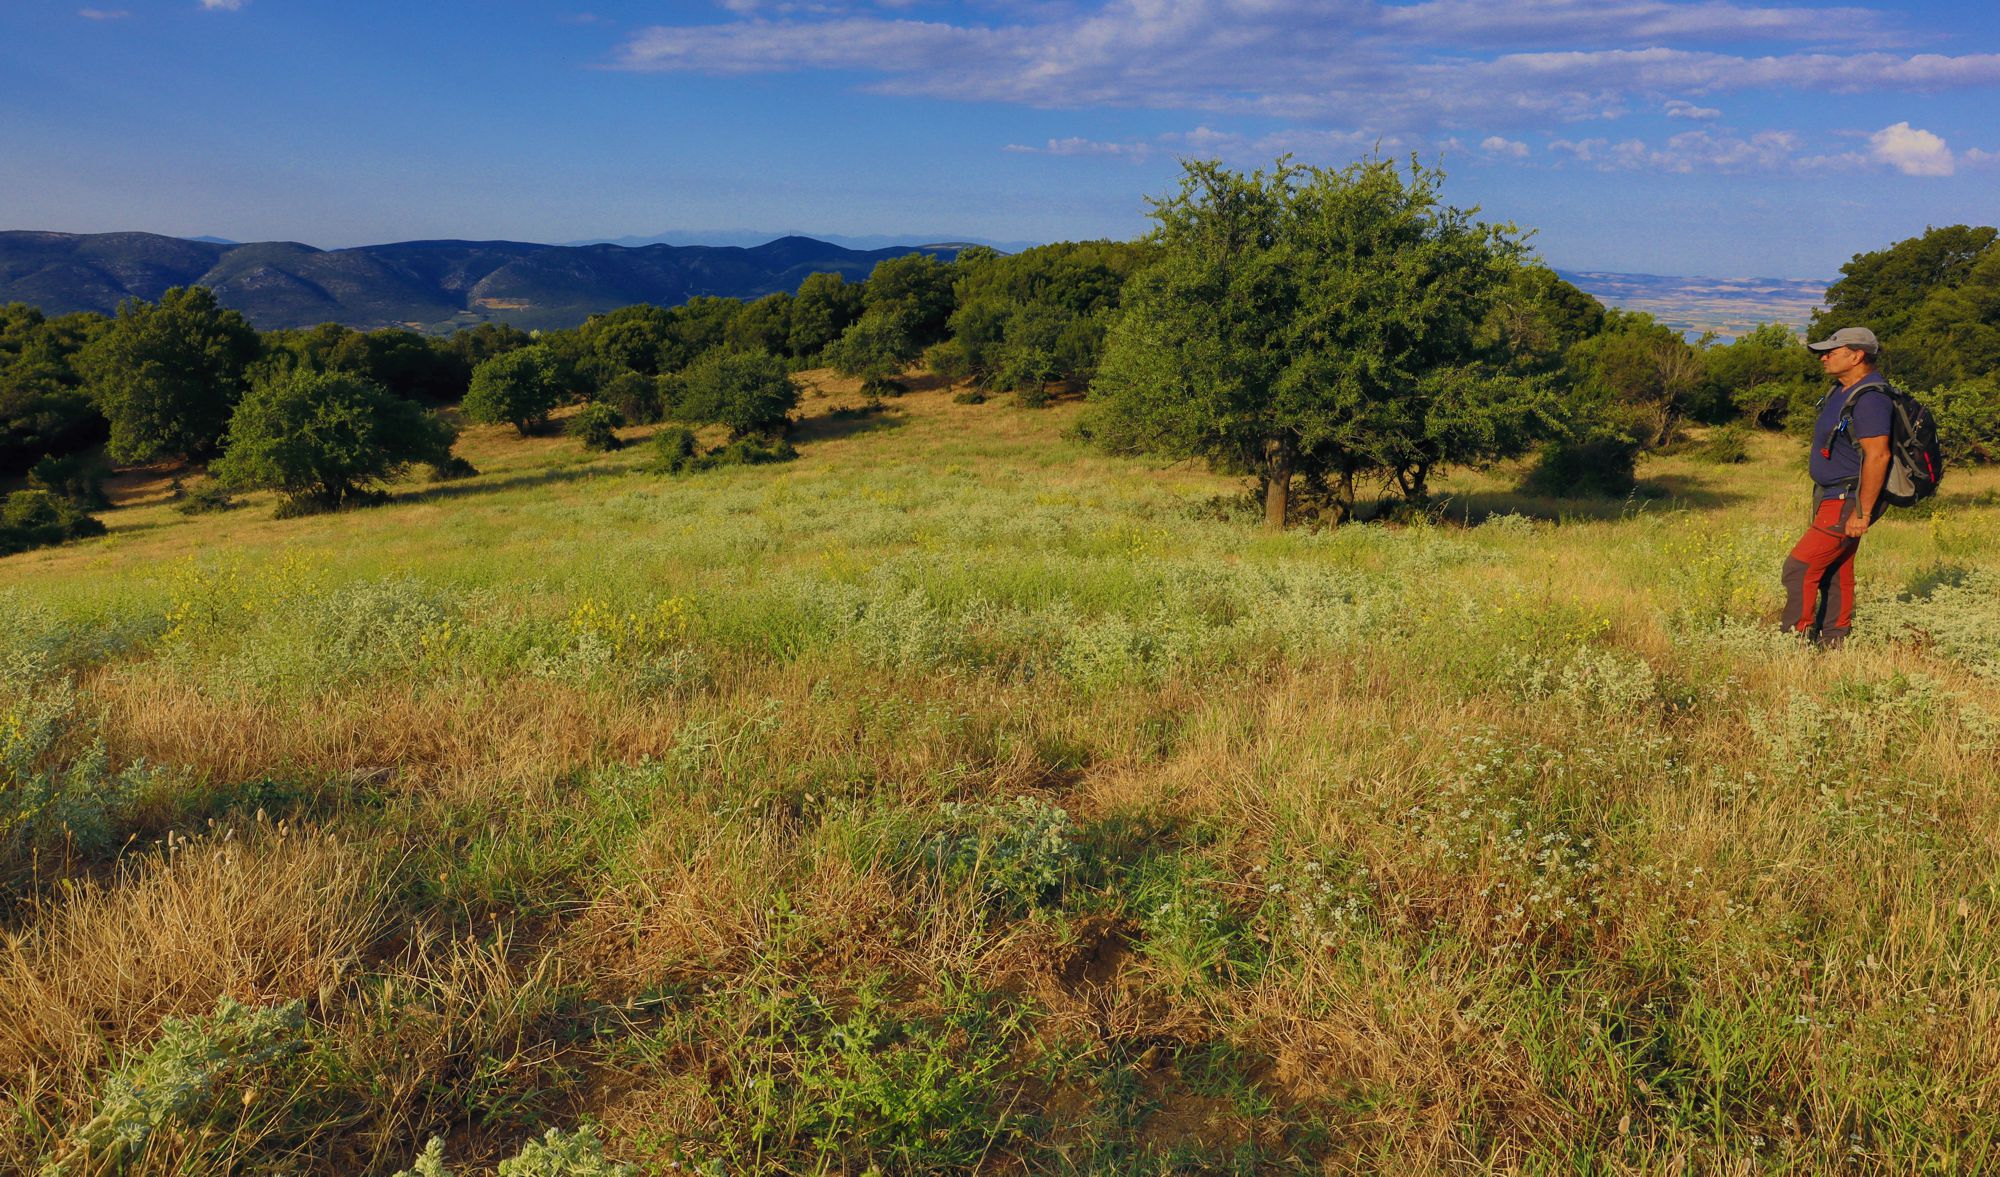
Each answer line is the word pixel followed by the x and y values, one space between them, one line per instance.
pixel 1837 459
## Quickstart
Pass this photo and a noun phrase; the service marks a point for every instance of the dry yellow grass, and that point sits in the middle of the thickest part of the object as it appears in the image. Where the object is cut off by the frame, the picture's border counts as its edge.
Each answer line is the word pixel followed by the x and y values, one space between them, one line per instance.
pixel 1533 856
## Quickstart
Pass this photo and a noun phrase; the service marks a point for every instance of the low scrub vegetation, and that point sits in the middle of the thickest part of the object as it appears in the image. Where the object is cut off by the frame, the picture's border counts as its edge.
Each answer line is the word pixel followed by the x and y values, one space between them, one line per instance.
pixel 964 799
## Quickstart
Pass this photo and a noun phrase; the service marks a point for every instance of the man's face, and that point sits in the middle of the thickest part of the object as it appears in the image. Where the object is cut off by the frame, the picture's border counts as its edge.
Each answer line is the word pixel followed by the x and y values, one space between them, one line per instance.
pixel 1842 361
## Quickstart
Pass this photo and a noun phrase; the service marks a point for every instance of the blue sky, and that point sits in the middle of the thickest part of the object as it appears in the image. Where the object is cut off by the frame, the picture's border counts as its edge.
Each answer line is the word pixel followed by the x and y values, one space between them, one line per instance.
pixel 1719 137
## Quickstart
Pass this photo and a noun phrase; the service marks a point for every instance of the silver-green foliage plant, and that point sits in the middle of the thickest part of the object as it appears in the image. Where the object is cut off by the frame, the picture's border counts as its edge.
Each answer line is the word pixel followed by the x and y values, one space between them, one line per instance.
pixel 178 1081
pixel 50 805
pixel 556 1154
pixel 1956 618
pixel 1020 853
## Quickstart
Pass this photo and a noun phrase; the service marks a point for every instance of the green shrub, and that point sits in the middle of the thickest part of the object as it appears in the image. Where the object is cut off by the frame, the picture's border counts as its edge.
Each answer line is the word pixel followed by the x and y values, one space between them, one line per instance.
pixel 515 388
pixel 880 386
pixel 450 468
pixel 208 498
pixel 635 395
pixel 55 801
pixel 868 1089
pixel 749 451
pixel 596 426
pixel 186 1080
pixel 322 439
pixel 969 396
pixel 750 392
pixel 1726 445
pixel 37 519
pixel 1020 853
pixel 1952 611
pixel 675 451
pixel 557 1154
pixel 78 478
pixel 1602 465
pixel 950 360
pixel 1968 420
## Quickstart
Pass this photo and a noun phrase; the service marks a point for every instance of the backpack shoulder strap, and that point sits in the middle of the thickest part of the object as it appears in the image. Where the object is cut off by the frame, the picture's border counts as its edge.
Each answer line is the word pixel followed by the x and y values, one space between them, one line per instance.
pixel 1877 383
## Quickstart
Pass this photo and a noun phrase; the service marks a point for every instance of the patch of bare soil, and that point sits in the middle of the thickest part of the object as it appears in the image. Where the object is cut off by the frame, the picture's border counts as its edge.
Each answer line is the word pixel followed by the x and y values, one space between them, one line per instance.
pixel 139 486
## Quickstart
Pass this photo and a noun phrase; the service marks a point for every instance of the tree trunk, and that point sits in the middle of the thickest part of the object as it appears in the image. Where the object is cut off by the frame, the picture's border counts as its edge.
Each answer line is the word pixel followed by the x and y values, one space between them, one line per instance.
pixel 1342 505
pixel 1669 418
pixel 1415 482
pixel 1277 483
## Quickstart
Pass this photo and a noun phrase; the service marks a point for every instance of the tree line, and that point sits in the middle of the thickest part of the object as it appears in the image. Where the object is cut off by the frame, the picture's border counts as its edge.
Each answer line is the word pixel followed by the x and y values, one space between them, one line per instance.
pixel 1322 330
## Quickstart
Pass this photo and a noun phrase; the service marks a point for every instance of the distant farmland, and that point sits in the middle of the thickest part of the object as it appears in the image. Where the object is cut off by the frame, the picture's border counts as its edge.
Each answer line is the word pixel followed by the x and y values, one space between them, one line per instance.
pixel 1727 306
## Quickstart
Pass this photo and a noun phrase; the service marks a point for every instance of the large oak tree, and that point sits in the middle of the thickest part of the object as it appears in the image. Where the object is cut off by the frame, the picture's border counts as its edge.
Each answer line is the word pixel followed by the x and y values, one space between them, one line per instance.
pixel 1315 324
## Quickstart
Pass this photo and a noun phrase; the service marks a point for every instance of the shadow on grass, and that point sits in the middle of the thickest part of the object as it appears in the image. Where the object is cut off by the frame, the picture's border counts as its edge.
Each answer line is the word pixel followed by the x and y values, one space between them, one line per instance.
pixel 1661 493
pixel 551 476
pixel 845 423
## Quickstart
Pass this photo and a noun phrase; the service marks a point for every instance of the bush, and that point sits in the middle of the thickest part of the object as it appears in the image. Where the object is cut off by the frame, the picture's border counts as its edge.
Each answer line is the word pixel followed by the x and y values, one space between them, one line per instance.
pixel 596 425
pixel 1968 421
pixel 950 360
pixel 877 344
pixel 451 467
pixel 1602 465
pixel 675 451
pixel 636 397
pixel 37 519
pixel 1020 854
pixel 195 1076
pixel 319 438
pixel 515 388
pixel 1726 445
pixel 749 451
pixel 970 396
pixel 79 478
pixel 579 1154
pixel 747 391
pixel 208 498
pixel 880 386
pixel 50 808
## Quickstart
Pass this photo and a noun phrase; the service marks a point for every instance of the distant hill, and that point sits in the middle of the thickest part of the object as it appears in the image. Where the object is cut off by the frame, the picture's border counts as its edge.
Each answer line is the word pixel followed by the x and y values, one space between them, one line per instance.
pixel 757 237
pixel 1727 306
pixel 433 286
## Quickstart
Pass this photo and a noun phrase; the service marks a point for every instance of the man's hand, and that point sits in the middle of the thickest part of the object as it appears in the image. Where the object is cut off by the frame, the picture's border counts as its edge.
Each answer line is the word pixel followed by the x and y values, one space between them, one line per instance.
pixel 1857 526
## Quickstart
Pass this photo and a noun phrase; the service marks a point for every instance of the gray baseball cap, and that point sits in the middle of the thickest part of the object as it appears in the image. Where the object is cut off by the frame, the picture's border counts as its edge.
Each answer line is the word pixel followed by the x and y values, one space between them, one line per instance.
pixel 1860 337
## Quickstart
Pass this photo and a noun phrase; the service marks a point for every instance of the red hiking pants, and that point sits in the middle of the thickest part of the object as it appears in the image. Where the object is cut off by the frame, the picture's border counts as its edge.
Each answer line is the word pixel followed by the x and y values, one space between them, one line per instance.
pixel 1819 573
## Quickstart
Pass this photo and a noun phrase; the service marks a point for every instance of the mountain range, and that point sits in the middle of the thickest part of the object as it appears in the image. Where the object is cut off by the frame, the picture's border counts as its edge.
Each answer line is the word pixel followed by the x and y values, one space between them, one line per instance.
pixel 431 286
pixel 440 286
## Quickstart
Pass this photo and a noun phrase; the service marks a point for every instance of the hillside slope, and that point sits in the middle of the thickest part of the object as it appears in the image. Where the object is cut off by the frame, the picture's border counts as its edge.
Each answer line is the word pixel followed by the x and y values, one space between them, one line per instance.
pixel 957 799
pixel 422 285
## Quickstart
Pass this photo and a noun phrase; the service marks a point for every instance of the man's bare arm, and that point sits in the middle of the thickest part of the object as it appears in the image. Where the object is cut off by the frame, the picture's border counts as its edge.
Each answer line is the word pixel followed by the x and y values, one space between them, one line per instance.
pixel 1874 472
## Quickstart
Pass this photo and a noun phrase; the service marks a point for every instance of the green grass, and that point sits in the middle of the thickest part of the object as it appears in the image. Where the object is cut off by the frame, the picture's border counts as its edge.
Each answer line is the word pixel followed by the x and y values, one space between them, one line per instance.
pixel 956 798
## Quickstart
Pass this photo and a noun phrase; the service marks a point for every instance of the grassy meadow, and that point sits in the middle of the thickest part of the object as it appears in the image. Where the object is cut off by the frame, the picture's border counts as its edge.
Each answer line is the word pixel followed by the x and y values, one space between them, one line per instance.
pixel 959 799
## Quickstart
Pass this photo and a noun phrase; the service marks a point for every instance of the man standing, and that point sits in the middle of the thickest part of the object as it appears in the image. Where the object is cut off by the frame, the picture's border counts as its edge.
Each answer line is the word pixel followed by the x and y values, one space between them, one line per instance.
pixel 1850 461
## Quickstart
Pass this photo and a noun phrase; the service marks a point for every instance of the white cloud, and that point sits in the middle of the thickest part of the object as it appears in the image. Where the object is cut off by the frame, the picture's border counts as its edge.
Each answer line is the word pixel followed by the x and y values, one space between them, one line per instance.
pixel 1080 146
pixel 103 13
pixel 223 5
pixel 1976 158
pixel 1912 152
pixel 1417 66
pixel 1306 146
pixel 1613 21
pixel 1497 145
pixel 1679 109
pixel 1687 153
